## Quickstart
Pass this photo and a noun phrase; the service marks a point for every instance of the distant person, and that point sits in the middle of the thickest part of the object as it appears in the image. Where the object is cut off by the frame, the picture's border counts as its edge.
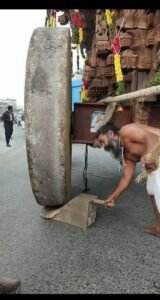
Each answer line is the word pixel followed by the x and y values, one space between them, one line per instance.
pixel 22 121
pixel 19 123
pixel 18 119
pixel 8 119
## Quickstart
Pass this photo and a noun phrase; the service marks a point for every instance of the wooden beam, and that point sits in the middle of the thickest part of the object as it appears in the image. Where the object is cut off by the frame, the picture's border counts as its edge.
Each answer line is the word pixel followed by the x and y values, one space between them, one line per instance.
pixel 154 90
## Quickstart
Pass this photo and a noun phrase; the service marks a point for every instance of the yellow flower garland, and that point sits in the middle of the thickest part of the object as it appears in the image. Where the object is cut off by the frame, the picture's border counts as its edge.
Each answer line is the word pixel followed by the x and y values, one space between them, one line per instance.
pixel 80 35
pixel 84 95
pixel 108 15
pixel 118 69
pixel 52 21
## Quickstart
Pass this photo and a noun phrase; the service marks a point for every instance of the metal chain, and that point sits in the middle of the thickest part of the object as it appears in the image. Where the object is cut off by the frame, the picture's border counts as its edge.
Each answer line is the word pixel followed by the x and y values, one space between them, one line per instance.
pixel 85 178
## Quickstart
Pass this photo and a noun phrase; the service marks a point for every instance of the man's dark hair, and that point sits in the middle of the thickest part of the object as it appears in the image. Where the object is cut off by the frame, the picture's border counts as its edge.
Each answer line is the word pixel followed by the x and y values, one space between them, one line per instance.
pixel 106 127
pixel 10 107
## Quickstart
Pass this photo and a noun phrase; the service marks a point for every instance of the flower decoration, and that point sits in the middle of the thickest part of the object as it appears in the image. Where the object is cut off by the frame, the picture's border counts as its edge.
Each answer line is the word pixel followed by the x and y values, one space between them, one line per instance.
pixel 108 15
pixel 77 32
pixel 84 91
pixel 52 18
pixel 117 66
pixel 109 20
pixel 84 94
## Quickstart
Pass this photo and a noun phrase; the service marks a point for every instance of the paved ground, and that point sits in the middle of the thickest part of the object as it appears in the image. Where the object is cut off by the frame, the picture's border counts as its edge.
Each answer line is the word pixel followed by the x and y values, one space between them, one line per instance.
pixel 113 256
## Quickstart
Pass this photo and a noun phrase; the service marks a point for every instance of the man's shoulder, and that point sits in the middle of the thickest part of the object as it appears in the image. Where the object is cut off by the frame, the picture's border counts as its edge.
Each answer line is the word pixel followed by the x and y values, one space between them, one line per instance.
pixel 129 129
pixel 6 112
pixel 125 128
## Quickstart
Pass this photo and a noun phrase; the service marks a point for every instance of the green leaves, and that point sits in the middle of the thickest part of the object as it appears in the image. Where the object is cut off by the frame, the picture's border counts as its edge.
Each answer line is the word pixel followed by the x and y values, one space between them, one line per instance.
pixel 155 80
pixel 120 88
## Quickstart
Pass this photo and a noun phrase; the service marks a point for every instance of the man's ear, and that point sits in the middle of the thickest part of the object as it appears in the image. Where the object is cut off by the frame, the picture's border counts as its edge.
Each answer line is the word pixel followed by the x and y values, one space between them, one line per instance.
pixel 110 133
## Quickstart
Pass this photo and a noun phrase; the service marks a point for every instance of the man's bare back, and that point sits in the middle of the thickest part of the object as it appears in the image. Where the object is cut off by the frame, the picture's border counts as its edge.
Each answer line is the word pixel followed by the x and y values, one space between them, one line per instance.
pixel 138 140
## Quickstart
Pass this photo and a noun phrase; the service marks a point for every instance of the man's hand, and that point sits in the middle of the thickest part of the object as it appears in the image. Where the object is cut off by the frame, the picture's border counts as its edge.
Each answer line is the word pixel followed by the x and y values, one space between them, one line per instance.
pixel 149 166
pixel 110 201
pixel 124 182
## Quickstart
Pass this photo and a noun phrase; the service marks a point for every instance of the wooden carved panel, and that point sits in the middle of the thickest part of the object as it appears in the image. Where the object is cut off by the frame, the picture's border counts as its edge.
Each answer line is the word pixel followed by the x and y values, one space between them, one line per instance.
pixel 101 62
pixel 127 19
pixel 97 82
pixel 138 38
pixel 157 33
pixel 110 60
pixel 91 72
pixel 144 59
pixel 103 47
pixel 150 38
pixel 109 72
pixel 125 40
pixel 100 72
pixel 128 59
pixel 141 19
pixel 127 77
pixel 150 20
pixel 92 59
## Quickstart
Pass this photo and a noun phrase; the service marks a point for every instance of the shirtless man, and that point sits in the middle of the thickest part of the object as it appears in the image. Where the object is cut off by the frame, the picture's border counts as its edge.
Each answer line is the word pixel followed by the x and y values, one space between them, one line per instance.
pixel 130 144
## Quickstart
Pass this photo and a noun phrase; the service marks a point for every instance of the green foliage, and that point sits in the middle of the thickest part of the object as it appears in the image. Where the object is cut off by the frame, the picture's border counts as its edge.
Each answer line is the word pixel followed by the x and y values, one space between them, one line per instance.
pixel 120 90
pixel 110 28
pixel 75 35
pixel 114 20
pixel 155 80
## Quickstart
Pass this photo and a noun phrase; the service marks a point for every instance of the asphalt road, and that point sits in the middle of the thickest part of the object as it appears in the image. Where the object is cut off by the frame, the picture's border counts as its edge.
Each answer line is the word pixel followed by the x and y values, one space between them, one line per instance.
pixel 113 256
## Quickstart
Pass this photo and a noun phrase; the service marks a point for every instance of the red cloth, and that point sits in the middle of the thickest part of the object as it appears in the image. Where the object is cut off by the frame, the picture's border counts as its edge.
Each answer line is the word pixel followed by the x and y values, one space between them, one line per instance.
pixel 116 45
pixel 75 18
pixel 80 22
pixel 85 84
pixel 53 13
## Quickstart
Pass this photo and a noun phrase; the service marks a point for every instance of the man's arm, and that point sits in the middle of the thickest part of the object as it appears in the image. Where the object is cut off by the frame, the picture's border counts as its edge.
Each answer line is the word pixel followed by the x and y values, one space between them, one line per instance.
pixel 123 183
pixel 5 117
pixel 14 118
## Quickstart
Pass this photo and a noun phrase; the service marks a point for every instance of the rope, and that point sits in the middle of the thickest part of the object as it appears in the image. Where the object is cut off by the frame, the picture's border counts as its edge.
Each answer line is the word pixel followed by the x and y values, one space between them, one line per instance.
pixel 121 26
pixel 154 90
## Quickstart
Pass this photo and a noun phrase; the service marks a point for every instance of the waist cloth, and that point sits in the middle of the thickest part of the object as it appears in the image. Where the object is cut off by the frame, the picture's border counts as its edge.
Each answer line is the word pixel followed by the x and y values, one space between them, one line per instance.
pixel 153 178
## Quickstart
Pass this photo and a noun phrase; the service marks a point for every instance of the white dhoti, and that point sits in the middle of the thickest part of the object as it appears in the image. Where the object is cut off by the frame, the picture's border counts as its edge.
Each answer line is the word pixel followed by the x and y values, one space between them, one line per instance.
pixel 153 186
